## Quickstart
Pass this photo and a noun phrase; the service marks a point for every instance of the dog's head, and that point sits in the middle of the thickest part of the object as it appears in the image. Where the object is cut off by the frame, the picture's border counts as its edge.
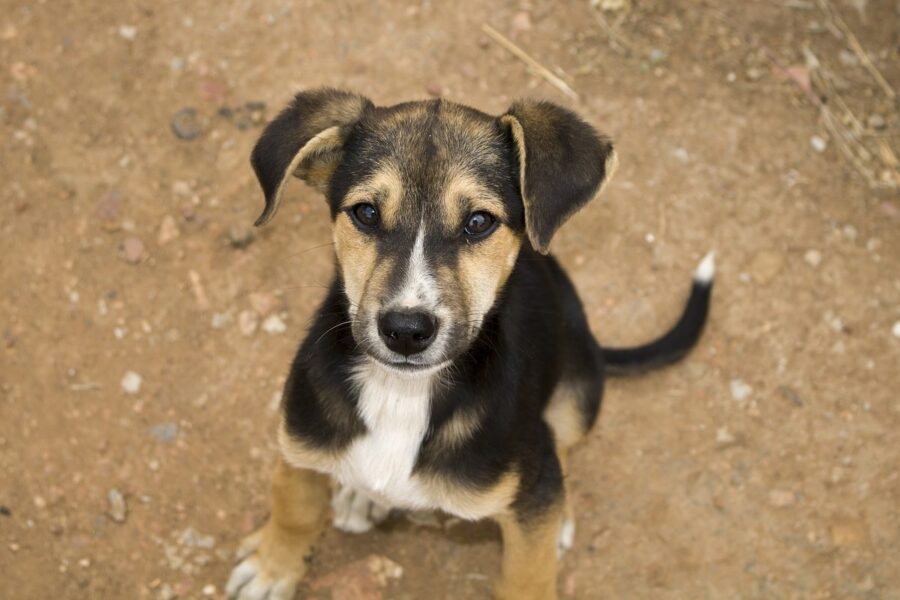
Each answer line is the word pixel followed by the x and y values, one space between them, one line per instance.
pixel 431 202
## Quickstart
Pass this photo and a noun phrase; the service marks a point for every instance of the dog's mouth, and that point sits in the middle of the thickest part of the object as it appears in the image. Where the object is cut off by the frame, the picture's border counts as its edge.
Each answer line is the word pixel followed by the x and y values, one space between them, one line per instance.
pixel 410 366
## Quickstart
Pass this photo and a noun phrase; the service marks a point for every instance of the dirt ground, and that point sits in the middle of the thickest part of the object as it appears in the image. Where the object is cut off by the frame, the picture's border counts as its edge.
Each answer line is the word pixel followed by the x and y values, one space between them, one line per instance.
pixel 146 330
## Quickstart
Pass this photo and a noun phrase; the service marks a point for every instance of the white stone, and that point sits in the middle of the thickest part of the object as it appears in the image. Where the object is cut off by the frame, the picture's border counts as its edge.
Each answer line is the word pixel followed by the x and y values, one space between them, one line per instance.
pixel 131 383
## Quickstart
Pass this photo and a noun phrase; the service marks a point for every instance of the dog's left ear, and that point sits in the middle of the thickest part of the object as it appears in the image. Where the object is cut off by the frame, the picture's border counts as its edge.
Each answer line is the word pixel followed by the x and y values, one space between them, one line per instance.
pixel 563 164
pixel 306 140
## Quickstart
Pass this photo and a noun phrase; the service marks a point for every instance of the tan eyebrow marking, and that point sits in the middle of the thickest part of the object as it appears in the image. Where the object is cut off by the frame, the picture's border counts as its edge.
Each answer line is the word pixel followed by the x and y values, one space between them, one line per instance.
pixel 383 188
pixel 464 194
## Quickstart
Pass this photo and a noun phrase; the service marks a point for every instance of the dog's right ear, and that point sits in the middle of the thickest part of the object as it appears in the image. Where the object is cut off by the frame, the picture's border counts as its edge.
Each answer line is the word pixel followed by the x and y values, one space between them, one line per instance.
pixel 306 140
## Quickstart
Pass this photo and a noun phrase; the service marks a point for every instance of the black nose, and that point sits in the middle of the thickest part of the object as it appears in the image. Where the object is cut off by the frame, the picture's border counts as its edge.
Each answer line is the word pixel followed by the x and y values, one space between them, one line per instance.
pixel 407 332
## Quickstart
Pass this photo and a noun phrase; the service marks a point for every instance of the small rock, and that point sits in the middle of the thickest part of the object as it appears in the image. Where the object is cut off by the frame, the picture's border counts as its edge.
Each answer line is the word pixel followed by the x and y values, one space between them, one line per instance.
pixel 724 437
pixel 765 266
pixel 131 383
pixel 220 320
pixel 849 532
pixel 848 59
pixel 209 590
pixel 520 22
pixel 128 32
pixel 168 230
pixel 117 508
pixel 849 232
pixel 876 122
pixel 193 539
pixel 813 258
pixel 740 390
pixel 681 155
pixel 656 56
pixel 198 290
pixel 109 206
pixel 240 236
pixel 5 511
pixel 781 498
pixel 248 322
pixel 263 303
pixel 186 124
pixel 165 432
pixel 273 324
pixel 434 89
pixel 40 502
pixel 133 250
pixel 895 330
pixel 818 143
pixel 166 592
pixel 754 73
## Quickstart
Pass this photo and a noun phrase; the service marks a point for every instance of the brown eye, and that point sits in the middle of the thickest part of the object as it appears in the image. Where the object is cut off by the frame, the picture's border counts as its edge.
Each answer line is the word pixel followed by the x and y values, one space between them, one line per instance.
pixel 479 224
pixel 365 215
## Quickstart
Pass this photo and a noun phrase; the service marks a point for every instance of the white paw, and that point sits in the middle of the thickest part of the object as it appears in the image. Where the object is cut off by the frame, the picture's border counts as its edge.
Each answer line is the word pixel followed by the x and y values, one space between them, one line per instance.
pixel 565 539
pixel 250 581
pixel 355 511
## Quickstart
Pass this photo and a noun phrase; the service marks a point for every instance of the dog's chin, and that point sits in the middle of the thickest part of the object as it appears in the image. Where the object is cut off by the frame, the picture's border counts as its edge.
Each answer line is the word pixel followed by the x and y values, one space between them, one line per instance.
pixel 408 368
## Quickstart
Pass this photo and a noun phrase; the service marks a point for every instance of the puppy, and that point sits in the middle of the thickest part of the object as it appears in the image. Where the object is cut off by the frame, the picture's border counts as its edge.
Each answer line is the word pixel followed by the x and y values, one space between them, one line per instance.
pixel 450 366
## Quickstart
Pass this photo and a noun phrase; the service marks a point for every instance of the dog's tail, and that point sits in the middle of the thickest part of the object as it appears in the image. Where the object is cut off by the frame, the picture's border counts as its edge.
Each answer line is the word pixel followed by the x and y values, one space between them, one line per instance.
pixel 678 341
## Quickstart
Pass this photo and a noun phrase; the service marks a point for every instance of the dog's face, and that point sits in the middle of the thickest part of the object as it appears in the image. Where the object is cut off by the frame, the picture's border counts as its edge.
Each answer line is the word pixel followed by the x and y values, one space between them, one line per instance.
pixel 431 202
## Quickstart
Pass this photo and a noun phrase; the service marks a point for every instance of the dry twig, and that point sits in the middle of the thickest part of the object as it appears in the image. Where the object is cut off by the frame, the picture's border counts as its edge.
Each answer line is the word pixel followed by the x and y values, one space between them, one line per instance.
pixel 540 69
pixel 857 48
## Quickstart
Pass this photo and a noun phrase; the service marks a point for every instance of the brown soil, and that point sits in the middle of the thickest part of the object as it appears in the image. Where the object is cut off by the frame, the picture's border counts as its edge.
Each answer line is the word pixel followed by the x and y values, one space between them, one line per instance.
pixel 764 466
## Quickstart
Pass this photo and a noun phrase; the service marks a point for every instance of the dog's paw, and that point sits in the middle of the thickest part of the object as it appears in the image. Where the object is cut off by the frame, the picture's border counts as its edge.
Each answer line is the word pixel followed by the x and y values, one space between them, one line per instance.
pixel 565 539
pixel 355 511
pixel 271 564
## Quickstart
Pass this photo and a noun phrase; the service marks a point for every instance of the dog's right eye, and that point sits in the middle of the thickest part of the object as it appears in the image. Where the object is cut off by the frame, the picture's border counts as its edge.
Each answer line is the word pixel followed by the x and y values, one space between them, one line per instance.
pixel 365 215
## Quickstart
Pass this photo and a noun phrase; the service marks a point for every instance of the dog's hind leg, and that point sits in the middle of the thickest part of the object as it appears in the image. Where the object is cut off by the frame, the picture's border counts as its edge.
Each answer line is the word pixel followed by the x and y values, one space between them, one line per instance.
pixel 355 511
pixel 273 559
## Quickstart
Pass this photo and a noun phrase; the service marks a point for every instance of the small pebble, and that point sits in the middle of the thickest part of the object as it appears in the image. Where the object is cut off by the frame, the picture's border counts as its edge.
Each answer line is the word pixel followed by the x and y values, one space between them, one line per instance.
pixel 186 124
pixel 117 507
pixel 724 437
pixel 168 230
pixel 248 322
pixel 131 383
pixel 896 329
pixel 220 320
pixel 781 498
pixel 133 250
pixel 740 390
pixel 813 258
pixel 656 56
pixel 240 236
pixel 263 303
pixel 209 590
pixel 165 432
pixel 434 89
pixel 876 122
pixel 849 232
pixel 818 144
pixel 273 324
pixel 681 155
pixel 847 58
pixel 128 32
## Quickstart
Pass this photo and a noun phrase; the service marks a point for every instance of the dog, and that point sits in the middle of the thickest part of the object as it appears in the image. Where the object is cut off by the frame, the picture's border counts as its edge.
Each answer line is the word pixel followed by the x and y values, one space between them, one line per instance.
pixel 451 366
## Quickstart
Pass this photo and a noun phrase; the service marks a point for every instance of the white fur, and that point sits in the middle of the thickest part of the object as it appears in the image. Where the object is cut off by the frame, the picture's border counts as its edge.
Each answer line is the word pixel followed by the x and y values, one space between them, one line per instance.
pixel 706 270
pixel 565 539
pixel 355 511
pixel 396 411
pixel 419 288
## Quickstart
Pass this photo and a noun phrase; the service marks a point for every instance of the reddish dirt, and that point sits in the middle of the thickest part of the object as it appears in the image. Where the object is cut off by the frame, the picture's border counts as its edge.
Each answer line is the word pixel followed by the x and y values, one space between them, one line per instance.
pixel 764 466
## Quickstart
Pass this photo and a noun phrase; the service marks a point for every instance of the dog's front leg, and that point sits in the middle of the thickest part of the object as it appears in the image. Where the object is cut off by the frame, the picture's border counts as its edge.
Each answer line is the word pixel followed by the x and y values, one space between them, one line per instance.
pixel 272 560
pixel 529 555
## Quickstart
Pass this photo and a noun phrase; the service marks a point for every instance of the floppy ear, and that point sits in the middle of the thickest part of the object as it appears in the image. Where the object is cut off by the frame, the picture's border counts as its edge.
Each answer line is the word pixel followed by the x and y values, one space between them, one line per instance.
pixel 563 163
pixel 306 140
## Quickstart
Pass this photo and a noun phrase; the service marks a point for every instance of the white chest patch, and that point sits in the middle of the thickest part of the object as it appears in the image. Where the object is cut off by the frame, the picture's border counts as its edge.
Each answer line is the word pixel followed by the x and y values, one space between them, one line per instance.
pixel 396 411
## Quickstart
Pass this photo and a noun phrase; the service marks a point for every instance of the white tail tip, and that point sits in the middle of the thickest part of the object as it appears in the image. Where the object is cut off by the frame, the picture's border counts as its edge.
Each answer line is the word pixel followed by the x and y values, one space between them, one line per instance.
pixel 706 270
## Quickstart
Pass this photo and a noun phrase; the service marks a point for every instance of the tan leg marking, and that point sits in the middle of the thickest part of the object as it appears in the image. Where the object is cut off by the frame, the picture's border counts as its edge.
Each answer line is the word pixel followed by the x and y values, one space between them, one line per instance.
pixel 273 558
pixel 529 557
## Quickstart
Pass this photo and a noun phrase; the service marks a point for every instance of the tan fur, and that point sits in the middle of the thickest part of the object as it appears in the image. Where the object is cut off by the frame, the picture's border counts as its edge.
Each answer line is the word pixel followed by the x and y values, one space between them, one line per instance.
pixel 300 501
pixel 478 503
pixel 528 569
pixel 458 429
pixel 384 189
pixel 565 417
pixel 484 268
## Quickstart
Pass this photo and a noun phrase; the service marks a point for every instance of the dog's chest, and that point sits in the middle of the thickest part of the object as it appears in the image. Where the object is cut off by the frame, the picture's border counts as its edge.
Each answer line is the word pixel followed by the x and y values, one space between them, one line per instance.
pixel 396 412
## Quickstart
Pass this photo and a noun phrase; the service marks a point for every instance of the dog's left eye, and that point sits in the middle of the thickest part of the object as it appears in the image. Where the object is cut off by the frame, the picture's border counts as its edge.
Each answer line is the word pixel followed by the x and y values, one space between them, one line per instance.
pixel 365 215
pixel 479 224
